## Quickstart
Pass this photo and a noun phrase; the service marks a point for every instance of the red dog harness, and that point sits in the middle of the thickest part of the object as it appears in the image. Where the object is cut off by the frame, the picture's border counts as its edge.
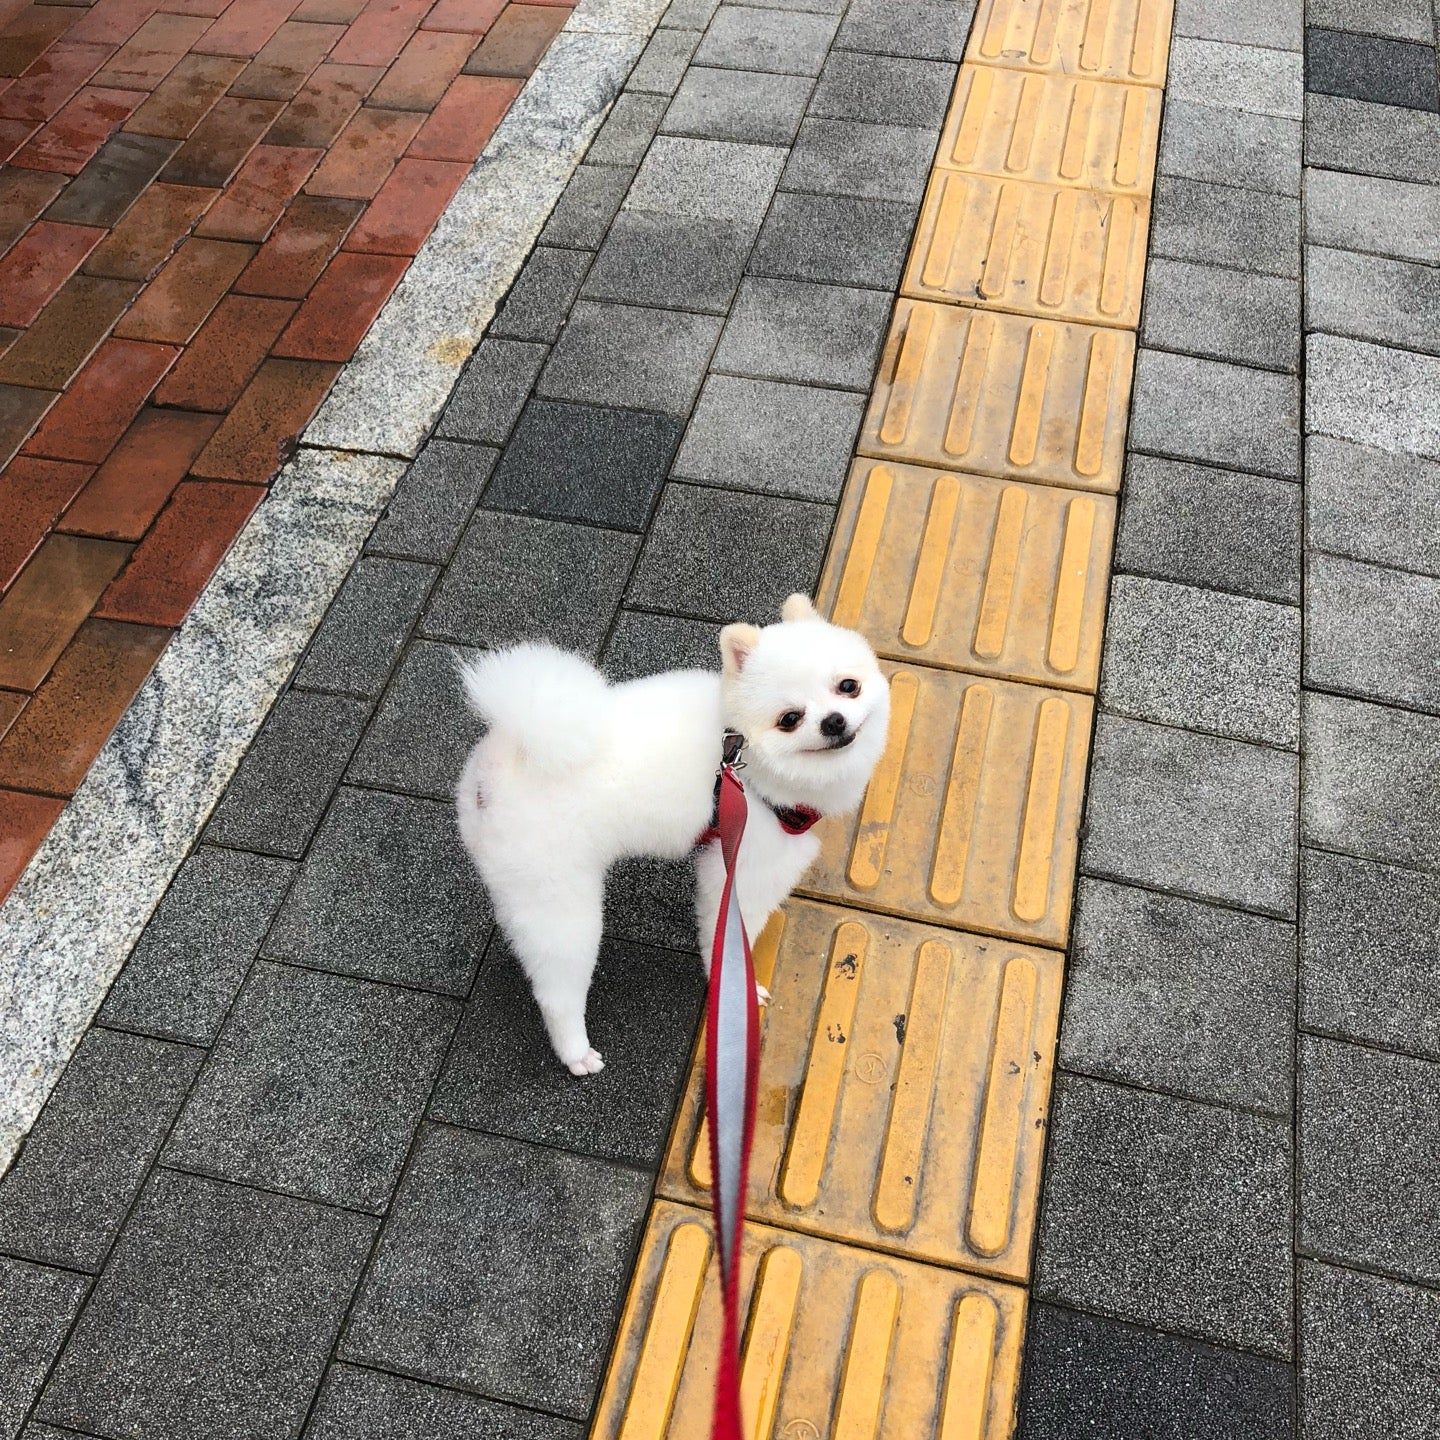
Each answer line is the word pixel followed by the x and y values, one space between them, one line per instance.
pixel 794 819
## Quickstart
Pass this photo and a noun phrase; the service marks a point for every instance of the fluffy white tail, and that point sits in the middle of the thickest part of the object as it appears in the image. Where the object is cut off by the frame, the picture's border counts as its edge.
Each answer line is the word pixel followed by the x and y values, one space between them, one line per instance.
pixel 549 703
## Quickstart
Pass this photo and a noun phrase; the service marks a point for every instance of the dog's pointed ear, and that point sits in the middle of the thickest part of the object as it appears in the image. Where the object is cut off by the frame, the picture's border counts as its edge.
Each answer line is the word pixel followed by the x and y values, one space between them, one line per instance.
pixel 799 607
pixel 736 643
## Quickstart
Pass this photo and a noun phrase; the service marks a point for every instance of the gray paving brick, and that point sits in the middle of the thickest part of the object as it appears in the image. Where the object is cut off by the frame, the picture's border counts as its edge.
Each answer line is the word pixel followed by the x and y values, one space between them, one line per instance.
pixel 652 902
pixel 1370 67
pixel 36 1308
pixel 433 500
pixel 586 462
pixel 920 30
pixel 1279 24
pixel 1372 505
pixel 1404 19
pixel 387 893
pixel 1220 529
pixel 584 211
pixel 1207 817
pixel 191 957
pixel 515 577
pixel 1203 659
pixel 1367 1364
pixel 707 179
pixel 884 91
pixel 315 1086
pixel 748 105
pixel 1365 212
pixel 1372 139
pixel 813 334
pixel 1373 394
pixel 1370 781
pixel 1087 1375
pixel 284 783
pixel 1241 77
pixel 789 42
pixel 1168 1213
pixel 361 636
pixel 835 239
pixel 672 261
pixel 84 1161
pixel 503 1078
pixel 628 130
pixel 1220 225
pixel 1390 301
pixel 722 556
pixel 487 402
pixel 758 435
pixel 689 14
pixel 541 297
pixel 1175 995
pixel 644 644
pixel 215 1316
pixel 502 1269
pixel 1223 314
pixel 659 69
pixel 1369 1158
pixel 847 157
pixel 1230 147
pixel 1229 415
pixel 1367 956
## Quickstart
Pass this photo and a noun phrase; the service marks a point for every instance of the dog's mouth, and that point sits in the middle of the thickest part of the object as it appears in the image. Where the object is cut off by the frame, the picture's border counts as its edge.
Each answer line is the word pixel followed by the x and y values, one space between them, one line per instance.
pixel 838 743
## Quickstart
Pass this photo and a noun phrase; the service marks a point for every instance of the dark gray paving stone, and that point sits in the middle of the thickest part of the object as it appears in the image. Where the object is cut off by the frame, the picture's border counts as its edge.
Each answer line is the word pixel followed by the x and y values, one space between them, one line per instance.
pixel 1368 1364
pixel 63 1199
pixel 813 334
pixel 645 359
pixel 1221 529
pixel 215 1316
pixel 788 42
pixel 920 30
pixel 285 781
pixel 423 730
pixel 1230 147
pixel 541 297
pixel 1393 302
pixel 835 239
pixel 1169 1213
pixel 1372 139
pixel 492 392
pixel 643 644
pixel 591 463
pixel 519 578
pixel 357 643
pixel 883 91
pixel 1369 1158
pixel 659 69
pixel 586 207
pixel 502 1077
pixel 1372 504
pixel 1370 952
pixel 1196 814
pixel 36 1308
pixel 1086 1375
pixel 1224 314
pixel 628 130
pixel 1175 995
pixel 433 501
pixel 1363 212
pixel 361 1404
pixel 1372 632
pixel 848 157
pixel 192 956
pixel 1402 19
pixel 1221 225
pixel 112 180
pixel 1229 415
pixel 387 893
pixel 689 14
pixel 785 439
pixel 652 902
pixel 738 105
pixel 708 179
pixel 1369 67
pixel 1203 659
pixel 502 1269
pixel 721 556
pixel 1279 24
pixel 315 1086
pixel 1370 781
pixel 678 262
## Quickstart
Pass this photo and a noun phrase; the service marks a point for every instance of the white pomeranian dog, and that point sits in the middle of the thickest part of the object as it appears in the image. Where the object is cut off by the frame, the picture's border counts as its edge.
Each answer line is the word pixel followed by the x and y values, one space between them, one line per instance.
pixel 575 773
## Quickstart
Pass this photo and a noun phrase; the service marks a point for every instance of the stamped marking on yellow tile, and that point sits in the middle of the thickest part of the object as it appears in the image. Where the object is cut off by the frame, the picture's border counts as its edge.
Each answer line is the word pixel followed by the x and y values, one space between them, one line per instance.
pixel 840 1343
pixel 903 1088
pixel 1054 129
pixel 1038 249
pixel 992 576
pixel 1101 39
pixel 999 394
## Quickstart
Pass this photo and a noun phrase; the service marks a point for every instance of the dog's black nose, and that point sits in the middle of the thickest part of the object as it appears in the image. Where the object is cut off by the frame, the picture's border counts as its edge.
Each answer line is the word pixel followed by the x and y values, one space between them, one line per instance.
pixel 833 725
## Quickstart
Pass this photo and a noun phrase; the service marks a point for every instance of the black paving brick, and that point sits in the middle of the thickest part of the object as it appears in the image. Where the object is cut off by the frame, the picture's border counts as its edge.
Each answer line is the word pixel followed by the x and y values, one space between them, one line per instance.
pixel 836 239
pixel 36 1308
pixel 672 261
pixel 315 1086
pixel 542 295
pixel 883 91
pixel 112 180
pixel 586 207
pixel 923 29
pixel 652 902
pixel 738 105
pixel 433 501
pixel 848 157
pixel 1369 67
pixel 643 644
pixel 492 392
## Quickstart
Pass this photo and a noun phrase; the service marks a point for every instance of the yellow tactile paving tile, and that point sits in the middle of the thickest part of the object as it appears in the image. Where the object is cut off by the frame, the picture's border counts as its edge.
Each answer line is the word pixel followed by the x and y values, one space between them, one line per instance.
pixel 1005 395
pixel 972 817
pixel 1098 39
pixel 904 1079
pixel 1054 129
pixel 1039 249
pixel 840 1343
pixel 992 576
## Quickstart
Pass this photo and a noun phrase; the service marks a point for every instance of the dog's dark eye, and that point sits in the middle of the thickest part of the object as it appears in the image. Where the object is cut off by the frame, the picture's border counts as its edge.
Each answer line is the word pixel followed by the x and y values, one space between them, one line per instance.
pixel 849 687
pixel 790 719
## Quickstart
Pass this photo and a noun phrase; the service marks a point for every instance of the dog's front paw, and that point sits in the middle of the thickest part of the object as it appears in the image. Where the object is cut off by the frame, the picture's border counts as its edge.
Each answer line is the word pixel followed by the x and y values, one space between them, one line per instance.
pixel 762 995
pixel 589 1063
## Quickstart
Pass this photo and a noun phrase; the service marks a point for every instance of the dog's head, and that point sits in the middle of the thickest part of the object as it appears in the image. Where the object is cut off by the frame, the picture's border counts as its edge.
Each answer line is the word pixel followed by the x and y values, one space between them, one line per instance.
pixel 808 697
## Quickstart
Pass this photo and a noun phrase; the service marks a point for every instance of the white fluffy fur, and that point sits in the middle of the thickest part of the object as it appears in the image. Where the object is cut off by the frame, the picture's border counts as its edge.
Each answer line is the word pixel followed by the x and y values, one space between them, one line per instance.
pixel 575 774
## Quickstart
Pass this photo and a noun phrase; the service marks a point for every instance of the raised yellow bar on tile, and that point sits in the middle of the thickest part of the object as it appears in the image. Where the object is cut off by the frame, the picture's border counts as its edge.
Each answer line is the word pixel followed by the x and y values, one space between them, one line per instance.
pixel 1100 39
